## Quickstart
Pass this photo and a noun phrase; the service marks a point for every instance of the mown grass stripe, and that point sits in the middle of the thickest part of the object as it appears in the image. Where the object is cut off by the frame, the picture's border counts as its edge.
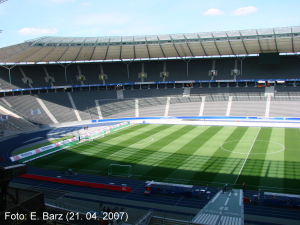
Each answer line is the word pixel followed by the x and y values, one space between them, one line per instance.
pixel 273 167
pixel 165 149
pixel 160 144
pixel 142 154
pixel 196 161
pixel 291 159
pixel 200 163
pixel 71 155
pixel 209 171
pixel 136 153
pixel 88 161
pixel 255 162
pixel 167 166
pixel 236 161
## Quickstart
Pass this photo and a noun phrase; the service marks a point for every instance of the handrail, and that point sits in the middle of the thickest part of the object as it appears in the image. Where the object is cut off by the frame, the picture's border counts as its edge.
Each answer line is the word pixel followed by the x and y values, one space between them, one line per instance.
pixel 10 123
pixel 146 217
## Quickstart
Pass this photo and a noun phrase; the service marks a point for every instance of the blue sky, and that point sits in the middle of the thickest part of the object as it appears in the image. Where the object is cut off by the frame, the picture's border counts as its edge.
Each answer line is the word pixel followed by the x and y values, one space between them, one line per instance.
pixel 23 20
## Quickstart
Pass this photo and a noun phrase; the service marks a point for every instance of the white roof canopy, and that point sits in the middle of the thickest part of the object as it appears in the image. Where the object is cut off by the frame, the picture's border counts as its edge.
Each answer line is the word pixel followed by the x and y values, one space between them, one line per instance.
pixel 244 42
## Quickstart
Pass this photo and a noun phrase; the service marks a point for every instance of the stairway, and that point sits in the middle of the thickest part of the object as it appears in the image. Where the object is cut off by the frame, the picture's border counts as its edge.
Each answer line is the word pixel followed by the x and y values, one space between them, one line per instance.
pixel 269 91
pixel 186 92
pixel 120 94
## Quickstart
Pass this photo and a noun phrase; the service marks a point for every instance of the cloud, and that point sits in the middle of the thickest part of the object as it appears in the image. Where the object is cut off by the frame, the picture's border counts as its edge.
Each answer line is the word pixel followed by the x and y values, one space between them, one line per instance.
pixel 213 12
pixel 34 31
pixel 103 19
pixel 244 10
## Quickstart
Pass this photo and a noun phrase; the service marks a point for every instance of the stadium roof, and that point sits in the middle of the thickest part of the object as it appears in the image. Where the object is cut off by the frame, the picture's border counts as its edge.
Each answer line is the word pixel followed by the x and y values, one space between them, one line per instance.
pixel 244 42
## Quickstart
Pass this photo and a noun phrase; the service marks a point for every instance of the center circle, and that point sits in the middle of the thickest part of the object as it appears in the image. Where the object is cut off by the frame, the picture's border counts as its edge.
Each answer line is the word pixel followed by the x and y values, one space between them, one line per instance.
pixel 144 141
pixel 223 146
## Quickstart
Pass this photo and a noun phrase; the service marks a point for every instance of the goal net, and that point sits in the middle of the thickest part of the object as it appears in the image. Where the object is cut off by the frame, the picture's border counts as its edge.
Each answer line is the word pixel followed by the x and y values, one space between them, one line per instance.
pixel 120 170
pixel 101 135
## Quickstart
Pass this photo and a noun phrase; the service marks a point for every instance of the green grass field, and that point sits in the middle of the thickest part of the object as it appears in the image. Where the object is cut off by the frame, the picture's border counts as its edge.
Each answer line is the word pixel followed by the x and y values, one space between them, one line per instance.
pixel 263 158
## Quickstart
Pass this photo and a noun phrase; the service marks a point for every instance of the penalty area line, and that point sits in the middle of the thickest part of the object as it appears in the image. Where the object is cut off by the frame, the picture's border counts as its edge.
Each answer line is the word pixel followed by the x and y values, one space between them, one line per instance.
pixel 247 156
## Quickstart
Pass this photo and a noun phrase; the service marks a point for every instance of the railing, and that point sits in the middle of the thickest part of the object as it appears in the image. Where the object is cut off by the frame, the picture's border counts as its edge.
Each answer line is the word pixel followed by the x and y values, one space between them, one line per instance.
pixel 145 219
pixel 13 125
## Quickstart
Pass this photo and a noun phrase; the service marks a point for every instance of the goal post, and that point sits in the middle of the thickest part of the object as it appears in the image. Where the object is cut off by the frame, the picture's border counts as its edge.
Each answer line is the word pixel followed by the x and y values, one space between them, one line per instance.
pixel 120 170
pixel 91 138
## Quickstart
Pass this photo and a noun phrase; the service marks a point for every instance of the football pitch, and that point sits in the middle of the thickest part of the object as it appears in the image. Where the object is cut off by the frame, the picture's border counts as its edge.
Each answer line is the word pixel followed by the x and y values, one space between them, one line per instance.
pixel 263 158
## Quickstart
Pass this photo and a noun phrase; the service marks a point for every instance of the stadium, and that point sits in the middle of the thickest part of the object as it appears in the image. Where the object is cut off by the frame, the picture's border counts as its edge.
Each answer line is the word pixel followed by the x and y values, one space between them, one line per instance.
pixel 188 128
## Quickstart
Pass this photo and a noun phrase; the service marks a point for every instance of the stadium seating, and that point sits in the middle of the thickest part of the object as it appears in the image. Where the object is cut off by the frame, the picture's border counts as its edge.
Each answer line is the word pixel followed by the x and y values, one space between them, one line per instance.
pixel 154 101
pixel 58 73
pixel 248 108
pixel 81 105
pixel 59 105
pixel 24 104
pixel 117 71
pixel 153 93
pixel 152 106
pixel 16 122
pixel 16 79
pixel 285 105
pixel 117 108
pixel 185 106
pixel 36 74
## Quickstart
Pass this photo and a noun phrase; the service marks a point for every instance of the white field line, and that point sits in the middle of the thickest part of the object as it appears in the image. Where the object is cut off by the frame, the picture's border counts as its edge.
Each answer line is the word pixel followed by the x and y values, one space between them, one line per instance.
pixel 109 155
pixel 71 147
pixel 61 167
pixel 48 156
pixel 247 156
pixel 136 143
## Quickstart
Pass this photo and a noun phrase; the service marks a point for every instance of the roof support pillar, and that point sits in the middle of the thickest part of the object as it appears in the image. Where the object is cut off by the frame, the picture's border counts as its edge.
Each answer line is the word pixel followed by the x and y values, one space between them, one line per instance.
pixel 127 64
pixel 65 68
pixel 187 65
pixel 241 60
pixel 9 68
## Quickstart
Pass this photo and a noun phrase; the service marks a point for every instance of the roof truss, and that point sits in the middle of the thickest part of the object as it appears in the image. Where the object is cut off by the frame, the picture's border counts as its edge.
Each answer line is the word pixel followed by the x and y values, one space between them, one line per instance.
pixel 102 48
